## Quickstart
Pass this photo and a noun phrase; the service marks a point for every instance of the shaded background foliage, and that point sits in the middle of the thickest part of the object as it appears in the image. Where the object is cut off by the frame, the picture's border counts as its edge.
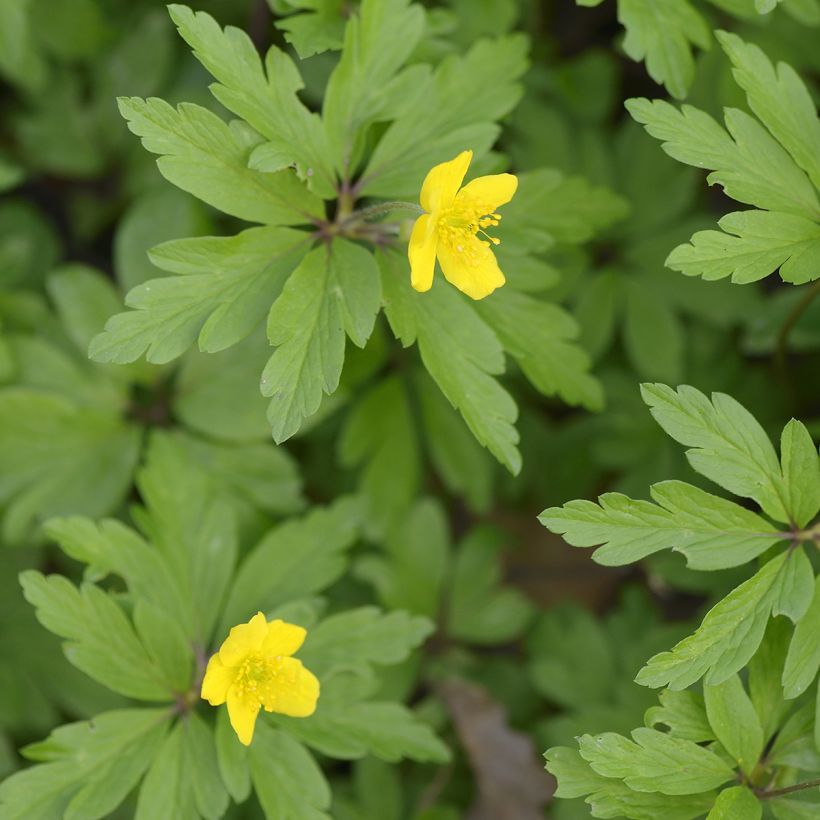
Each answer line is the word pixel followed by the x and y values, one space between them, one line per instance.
pixel 552 640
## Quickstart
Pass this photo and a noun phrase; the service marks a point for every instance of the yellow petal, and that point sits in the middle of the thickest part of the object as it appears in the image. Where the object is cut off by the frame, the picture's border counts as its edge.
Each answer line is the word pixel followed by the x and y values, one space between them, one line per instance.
pixel 243 639
pixel 443 181
pixel 422 252
pixel 216 682
pixel 476 280
pixel 494 191
pixel 298 691
pixel 283 638
pixel 242 713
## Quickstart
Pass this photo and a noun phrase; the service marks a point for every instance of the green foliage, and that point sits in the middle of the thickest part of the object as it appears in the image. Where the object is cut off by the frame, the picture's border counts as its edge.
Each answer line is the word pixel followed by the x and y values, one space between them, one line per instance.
pixel 769 162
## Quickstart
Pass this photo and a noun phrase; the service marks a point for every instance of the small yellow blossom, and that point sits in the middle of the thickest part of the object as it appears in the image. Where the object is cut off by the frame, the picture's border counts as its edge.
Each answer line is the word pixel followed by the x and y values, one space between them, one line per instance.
pixel 452 228
pixel 254 669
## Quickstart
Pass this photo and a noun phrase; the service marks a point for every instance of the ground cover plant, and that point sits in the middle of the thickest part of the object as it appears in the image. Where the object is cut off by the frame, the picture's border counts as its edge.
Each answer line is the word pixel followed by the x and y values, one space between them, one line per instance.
pixel 409 410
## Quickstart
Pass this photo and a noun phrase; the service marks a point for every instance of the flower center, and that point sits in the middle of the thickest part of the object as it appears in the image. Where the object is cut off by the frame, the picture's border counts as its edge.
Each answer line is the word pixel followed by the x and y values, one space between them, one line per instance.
pixel 460 225
pixel 259 678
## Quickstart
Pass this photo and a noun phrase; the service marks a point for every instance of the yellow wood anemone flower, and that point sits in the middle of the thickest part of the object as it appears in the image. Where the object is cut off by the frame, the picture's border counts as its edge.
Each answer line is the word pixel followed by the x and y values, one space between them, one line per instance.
pixel 254 669
pixel 453 229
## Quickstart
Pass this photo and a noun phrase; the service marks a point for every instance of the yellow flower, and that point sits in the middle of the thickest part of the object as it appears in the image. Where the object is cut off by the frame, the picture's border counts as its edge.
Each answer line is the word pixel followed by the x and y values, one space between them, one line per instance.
pixel 254 668
pixel 452 227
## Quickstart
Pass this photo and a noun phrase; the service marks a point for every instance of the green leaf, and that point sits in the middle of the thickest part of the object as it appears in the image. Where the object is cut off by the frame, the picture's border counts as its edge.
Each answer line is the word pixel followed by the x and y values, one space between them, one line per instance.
pixel 411 572
pixel 57 457
pixel 801 472
pixel 454 107
pixel 765 675
pixel 206 157
pixel 167 645
pixel 20 58
pixel 155 217
pixel 314 32
pixel 378 435
pixel 727 638
pixel 295 559
pixel 737 803
pixel 101 640
pixel 684 713
pixel 662 32
pixel 752 245
pixel 87 769
pixel 363 636
pixel 728 446
pixel 747 161
pixel 345 727
pixel 612 798
pixel 232 757
pixel 481 610
pixel 223 290
pixel 84 300
pixel 287 780
pixel 377 42
pixel 780 100
pixel 265 97
pixel 711 532
pixel 803 658
pixel 192 527
pixel 110 547
pixel 184 777
pixel 460 352
pixel 331 293
pixel 541 337
pixel 655 762
pixel 464 466
pixel 733 717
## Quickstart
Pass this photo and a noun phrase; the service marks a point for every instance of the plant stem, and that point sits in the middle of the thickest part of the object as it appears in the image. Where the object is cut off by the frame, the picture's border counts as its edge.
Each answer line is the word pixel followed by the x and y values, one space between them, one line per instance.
pixel 798 787
pixel 792 319
pixel 375 211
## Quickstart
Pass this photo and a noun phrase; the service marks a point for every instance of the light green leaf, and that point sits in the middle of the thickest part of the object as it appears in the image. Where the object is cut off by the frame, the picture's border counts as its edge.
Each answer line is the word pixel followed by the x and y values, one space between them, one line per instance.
pixel 204 156
pixel 481 610
pixel 331 293
pixel 711 532
pixel 184 779
pixel 287 780
pixel 345 727
pixel 465 467
pixel 57 458
pixel 156 216
pixel 780 100
pixel 87 769
pixel 377 42
pixel 728 445
pixel 684 713
pixel 610 798
pixel 192 526
pixel 167 645
pixel 223 290
pixel 101 640
pixel 266 98
pixel 753 245
pixel 662 32
pixel 460 352
pixel 801 472
pixel 728 637
pixel 363 636
pixel 655 762
pixel 733 717
pixel 541 337
pixel 292 561
pixel 748 162
pixel 803 658
pixel 411 572
pixel 232 757
pixel 379 435
pixel 446 111
pixel 737 803
pixel 84 299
